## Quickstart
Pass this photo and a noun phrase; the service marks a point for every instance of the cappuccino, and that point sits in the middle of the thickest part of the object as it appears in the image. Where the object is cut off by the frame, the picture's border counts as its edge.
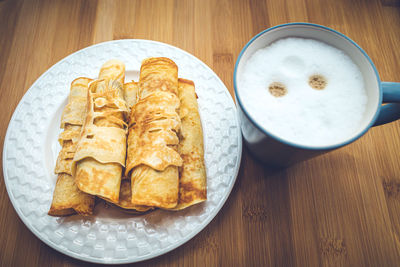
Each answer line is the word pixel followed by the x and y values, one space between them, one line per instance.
pixel 303 91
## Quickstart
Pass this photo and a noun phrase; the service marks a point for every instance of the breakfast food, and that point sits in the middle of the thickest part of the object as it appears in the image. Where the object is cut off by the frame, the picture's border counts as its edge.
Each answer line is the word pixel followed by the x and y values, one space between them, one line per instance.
pixel 125 195
pixel 193 180
pixel 100 155
pixel 67 198
pixel 152 127
pixel 153 158
pixel 303 91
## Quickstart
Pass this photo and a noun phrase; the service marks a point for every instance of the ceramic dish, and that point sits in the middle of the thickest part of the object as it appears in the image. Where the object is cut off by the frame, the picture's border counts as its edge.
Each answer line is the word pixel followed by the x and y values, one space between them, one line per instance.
pixel 109 236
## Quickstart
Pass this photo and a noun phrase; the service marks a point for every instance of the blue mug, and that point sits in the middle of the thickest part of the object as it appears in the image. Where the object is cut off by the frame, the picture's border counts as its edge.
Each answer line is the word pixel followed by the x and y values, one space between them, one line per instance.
pixel 276 151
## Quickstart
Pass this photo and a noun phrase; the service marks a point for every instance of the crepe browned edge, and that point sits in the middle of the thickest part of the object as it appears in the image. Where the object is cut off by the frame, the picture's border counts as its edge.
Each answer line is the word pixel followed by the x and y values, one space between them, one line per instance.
pixel 153 182
pixel 67 198
pixel 192 174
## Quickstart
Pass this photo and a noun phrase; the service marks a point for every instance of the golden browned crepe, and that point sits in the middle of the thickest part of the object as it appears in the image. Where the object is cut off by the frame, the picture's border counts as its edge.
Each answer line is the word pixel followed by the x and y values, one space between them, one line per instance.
pixel 67 198
pixel 101 151
pixel 153 158
pixel 193 179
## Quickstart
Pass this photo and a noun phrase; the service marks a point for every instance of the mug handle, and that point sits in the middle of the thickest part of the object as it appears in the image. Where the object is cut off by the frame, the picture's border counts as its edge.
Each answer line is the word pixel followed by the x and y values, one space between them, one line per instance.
pixel 389 112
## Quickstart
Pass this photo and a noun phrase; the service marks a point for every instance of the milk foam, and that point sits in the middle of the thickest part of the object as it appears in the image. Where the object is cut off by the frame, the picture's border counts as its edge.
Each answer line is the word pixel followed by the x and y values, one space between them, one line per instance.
pixel 304 115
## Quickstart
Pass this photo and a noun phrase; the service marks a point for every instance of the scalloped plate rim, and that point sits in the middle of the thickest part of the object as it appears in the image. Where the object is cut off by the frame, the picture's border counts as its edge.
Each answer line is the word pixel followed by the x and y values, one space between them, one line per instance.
pixel 172 246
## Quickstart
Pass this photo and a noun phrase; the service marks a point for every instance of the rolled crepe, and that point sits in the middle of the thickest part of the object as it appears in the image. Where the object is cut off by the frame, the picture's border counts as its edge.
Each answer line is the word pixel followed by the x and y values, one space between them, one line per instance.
pixel 100 155
pixel 67 198
pixel 152 158
pixel 193 179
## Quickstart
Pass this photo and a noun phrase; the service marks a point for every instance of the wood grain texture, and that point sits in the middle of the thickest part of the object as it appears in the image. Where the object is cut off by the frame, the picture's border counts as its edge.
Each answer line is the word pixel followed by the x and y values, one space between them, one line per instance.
pixel 339 209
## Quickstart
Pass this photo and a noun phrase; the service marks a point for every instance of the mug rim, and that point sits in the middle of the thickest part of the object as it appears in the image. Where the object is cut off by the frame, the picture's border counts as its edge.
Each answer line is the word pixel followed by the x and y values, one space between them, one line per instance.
pixel 287 142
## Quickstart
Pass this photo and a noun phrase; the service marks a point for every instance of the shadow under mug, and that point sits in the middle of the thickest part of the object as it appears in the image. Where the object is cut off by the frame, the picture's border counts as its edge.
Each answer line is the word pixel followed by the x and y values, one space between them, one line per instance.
pixel 278 152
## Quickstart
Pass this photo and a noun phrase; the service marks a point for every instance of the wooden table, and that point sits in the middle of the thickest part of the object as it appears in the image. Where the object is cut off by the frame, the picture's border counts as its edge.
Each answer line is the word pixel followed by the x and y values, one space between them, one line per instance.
pixel 340 209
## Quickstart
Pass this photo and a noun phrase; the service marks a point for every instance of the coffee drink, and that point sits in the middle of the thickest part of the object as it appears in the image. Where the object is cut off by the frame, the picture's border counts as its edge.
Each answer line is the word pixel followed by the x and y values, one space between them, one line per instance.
pixel 303 91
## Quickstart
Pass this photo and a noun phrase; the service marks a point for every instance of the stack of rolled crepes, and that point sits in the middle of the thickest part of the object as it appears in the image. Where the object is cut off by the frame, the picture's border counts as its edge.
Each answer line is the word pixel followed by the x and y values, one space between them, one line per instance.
pixel 67 198
pixel 163 143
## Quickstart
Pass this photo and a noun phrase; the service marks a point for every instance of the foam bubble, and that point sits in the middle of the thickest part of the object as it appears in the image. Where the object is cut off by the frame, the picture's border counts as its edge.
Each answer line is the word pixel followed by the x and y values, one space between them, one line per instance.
pixel 304 115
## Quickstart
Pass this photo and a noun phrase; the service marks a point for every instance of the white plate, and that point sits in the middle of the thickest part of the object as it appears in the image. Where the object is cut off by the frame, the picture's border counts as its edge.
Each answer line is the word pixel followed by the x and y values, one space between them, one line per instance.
pixel 109 236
